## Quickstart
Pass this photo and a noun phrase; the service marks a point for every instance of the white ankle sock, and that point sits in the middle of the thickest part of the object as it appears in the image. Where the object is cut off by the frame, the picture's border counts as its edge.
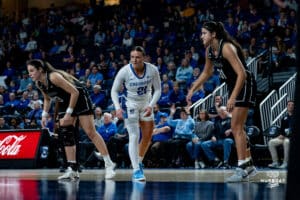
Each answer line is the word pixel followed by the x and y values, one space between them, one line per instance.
pixel 240 162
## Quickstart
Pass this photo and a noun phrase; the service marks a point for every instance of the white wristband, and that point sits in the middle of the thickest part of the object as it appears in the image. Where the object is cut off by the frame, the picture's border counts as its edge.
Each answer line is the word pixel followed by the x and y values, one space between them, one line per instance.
pixel 69 110
pixel 44 114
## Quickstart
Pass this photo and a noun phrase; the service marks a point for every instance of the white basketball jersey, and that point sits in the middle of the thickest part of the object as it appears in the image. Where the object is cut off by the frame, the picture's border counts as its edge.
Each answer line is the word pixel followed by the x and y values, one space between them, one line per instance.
pixel 138 89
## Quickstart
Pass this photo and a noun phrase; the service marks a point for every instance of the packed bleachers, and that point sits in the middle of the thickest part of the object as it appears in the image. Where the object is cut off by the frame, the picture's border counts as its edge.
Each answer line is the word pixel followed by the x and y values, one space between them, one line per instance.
pixel 93 43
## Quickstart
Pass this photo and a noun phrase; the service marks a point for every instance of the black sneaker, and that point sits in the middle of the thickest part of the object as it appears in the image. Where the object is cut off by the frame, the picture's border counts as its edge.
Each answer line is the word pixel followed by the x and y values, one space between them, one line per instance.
pixel 217 163
pixel 225 166
pixel 62 169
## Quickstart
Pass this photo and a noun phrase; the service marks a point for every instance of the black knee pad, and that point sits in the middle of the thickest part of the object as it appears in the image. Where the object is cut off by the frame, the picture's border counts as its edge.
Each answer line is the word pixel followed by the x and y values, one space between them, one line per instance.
pixel 67 135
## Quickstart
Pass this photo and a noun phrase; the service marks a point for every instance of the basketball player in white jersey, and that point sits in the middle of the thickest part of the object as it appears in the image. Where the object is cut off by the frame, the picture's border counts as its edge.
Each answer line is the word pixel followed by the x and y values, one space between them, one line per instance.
pixel 138 79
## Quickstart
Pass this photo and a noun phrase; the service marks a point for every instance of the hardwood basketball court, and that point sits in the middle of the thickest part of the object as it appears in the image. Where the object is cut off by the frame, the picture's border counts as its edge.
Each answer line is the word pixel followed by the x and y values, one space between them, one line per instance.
pixel 161 184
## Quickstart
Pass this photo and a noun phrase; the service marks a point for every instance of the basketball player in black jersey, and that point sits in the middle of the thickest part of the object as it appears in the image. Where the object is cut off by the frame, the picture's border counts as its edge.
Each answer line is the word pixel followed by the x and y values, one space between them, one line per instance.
pixel 225 54
pixel 75 103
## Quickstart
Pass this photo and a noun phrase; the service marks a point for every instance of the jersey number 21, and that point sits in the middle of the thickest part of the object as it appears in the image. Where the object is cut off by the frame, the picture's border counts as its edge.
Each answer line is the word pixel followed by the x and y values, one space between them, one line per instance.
pixel 142 90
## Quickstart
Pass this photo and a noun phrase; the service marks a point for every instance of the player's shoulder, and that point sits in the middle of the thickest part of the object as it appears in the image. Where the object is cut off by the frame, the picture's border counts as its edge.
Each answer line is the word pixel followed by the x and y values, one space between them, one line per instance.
pixel 125 69
pixel 228 47
pixel 151 67
pixel 53 76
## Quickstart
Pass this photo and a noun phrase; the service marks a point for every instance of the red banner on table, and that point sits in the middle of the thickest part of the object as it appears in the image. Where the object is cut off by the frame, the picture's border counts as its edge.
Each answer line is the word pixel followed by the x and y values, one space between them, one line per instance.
pixel 19 145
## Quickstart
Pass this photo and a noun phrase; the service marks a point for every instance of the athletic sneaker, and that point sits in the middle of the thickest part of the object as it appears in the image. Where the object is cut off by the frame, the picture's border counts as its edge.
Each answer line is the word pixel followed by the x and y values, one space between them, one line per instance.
pixel 225 165
pixel 249 167
pixel 273 165
pixel 141 166
pixel 216 163
pixel 70 174
pixel 202 164
pixel 238 176
pixel 197 166
pixel 283 165
pixel 98 155
pixel 138 175
pixel 251 170
pixel 110 171
pixel 243 172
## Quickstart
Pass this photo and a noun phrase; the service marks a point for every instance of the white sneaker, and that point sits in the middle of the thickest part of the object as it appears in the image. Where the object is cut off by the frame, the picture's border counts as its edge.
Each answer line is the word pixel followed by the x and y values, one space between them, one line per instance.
pixel 238 176
pixel 110 171
pixel 70 174
pixel 202 164
pixel 197 166
pixel 283 165
pixel 251 171
pixel 273 165
pixel 98 155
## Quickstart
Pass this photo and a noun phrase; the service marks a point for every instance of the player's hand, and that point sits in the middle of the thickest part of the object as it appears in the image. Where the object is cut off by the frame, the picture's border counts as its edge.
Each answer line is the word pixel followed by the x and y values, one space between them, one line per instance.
pixel 44 122
pixel 230 105
pixel 66 120
pixel 147 111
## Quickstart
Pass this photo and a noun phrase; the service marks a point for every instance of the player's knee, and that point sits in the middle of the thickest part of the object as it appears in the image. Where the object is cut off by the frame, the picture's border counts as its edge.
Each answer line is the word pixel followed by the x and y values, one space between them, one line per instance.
pixel 286 142
pixel 67 135
pixel 132 128
pixel 91 134
pixel 146 137
pixel 236 131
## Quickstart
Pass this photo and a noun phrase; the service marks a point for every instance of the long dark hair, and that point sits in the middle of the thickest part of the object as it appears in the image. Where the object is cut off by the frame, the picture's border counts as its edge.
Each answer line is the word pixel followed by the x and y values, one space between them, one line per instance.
pixel 221 33
pixel 48 68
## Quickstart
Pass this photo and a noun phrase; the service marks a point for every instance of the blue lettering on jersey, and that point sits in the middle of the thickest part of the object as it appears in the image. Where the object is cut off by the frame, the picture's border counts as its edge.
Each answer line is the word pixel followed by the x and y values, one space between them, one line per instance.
pixel 136 84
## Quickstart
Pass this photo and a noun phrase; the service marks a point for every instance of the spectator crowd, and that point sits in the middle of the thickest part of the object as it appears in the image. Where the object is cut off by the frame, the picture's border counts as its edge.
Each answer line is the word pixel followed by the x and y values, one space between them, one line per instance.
pixel 92 42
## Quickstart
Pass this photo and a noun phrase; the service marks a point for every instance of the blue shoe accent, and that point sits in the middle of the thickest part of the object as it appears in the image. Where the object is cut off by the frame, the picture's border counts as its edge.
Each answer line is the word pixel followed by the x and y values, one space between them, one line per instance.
pixel 141 166
pixel 138 175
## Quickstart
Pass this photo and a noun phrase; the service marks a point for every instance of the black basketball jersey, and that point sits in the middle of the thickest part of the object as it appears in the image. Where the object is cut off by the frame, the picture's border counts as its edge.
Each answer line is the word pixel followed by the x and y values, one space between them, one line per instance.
pixel 226 72
pixel 83 105
pixel 247 95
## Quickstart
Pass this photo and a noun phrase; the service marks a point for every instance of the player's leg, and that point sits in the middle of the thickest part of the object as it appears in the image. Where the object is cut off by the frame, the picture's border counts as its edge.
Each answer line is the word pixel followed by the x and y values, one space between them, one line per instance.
pixel 146 129
pixel 133 148
pixel 245 166
pixel 68 140
pixel 87 123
